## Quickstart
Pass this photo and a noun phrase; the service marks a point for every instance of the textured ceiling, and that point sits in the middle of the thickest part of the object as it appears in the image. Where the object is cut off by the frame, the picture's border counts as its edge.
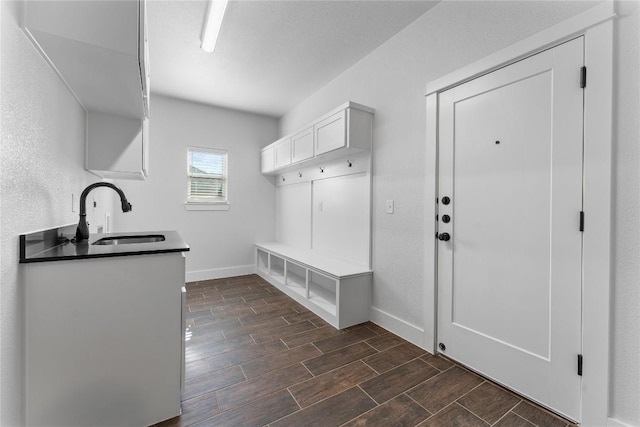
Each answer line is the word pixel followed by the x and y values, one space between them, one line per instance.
pixel 270 55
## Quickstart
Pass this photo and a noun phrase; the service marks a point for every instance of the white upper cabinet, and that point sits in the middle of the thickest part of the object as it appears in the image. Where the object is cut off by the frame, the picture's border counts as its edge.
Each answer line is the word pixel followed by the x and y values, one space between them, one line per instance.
pixel 302 145
pixel 268 159
pixel 331 133
pixel 99 49
pixel 282 153
pixel 118 146
pixel 339 133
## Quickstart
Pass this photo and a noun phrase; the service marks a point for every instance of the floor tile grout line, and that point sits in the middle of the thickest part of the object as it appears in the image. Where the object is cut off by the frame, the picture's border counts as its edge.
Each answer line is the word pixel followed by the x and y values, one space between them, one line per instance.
pixel 294 399
pixel 526 419
pixel 371 367
pixel 417 403
pixel 510 411
pixel 471 412
pixel 370 397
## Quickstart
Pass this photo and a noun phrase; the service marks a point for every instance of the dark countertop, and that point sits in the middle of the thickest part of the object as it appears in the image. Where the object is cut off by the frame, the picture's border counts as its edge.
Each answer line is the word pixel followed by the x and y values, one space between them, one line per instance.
pixel 56 245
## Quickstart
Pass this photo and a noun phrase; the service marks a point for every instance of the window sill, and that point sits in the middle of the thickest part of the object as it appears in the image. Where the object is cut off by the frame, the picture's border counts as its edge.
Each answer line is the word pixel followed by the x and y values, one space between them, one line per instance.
pixel 219 206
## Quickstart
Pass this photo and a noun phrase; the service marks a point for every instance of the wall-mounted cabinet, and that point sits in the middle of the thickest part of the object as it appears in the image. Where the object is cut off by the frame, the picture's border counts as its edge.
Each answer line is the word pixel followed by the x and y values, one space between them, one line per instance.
pixel 341 132
pixel 118 146
pixel 282 152
pixel 100 51
pixel 302 145
pixel 268 159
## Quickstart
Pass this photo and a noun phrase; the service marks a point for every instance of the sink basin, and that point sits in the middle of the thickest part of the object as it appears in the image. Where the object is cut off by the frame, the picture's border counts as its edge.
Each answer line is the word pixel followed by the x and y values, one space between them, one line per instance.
pixel 122 240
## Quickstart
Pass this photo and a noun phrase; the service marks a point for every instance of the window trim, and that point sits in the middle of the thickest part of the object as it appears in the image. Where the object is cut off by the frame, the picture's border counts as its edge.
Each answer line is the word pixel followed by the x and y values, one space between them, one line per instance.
pixel 199 204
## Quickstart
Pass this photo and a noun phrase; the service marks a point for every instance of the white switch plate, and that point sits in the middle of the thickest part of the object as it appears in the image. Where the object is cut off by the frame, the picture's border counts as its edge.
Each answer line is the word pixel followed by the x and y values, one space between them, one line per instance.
pixel 389 206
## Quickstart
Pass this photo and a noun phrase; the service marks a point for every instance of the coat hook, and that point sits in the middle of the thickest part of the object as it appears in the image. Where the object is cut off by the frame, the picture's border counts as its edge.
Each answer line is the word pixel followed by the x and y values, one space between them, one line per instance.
pixel 283 178
pixel 321 169
pixel 349 163
pixel 300 174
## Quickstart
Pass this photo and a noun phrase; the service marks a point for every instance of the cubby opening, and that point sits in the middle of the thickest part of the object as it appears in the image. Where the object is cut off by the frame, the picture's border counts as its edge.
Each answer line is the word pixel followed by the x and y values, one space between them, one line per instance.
pixel 263 260
pixel 277 267
pixel 322 291
pixel 297 278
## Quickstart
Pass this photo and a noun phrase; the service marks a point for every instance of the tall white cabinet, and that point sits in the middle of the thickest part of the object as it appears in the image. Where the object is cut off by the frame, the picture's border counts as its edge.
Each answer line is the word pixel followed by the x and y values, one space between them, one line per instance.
pixel 322 253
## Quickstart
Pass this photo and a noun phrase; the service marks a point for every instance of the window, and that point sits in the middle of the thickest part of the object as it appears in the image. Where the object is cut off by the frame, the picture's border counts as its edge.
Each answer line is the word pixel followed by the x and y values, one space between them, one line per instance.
pixel 207 176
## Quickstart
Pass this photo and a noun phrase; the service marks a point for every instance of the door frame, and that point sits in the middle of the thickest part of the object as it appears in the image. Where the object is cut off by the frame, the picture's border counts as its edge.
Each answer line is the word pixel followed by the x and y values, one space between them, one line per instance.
pixel 596 26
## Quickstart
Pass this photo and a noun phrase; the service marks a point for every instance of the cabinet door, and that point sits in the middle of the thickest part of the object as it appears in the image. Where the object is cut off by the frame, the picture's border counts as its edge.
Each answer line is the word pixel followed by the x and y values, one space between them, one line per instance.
pixel 283 153
pixel 302 145
pixel 330 133
pixel 268 158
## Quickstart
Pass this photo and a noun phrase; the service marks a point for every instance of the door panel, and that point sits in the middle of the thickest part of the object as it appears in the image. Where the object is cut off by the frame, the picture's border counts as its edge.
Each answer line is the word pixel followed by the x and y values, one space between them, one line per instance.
pixel 509 278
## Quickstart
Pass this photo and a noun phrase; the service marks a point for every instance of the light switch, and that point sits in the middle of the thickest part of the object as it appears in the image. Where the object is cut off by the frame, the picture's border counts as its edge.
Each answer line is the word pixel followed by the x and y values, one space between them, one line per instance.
pixel 389 206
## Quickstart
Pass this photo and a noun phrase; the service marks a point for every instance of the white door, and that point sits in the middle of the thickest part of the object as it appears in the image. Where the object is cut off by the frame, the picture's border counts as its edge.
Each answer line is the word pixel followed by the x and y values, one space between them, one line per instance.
pixel 510 190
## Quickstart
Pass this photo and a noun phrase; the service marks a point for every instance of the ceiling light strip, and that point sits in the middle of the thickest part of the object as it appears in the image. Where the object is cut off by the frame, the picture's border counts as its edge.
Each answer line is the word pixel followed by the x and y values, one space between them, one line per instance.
pixel 212 24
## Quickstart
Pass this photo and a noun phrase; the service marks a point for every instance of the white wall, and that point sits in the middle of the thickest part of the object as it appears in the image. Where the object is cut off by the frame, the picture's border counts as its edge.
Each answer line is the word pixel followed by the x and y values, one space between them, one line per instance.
pixel 392 79
pixel 42 163
pixel 221 241
pixel 624 400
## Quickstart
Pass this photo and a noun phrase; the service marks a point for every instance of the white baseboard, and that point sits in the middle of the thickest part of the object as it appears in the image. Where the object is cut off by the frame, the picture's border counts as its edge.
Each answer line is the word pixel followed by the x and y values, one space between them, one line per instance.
pixel 401 328
pixel 220 273
pixel 612 422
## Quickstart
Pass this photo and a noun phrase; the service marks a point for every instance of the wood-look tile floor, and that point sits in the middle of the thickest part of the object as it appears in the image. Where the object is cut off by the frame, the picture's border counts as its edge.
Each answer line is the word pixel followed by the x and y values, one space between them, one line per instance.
pixel 255 357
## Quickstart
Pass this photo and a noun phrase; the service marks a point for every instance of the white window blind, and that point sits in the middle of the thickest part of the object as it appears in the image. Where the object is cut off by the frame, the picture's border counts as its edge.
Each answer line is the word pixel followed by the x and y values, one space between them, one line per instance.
pixel 207 175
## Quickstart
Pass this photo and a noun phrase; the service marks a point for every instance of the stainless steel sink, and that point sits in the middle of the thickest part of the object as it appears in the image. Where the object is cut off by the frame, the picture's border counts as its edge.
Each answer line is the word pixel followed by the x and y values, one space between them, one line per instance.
pixel 122 240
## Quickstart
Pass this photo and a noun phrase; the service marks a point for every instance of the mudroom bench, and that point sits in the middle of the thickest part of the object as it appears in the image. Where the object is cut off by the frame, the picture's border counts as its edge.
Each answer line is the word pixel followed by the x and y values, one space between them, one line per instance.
pixel 336 290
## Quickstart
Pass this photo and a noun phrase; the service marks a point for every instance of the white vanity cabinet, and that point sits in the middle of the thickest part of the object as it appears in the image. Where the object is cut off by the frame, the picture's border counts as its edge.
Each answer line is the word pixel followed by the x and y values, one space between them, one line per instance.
pixel 103 340
pixel 344 131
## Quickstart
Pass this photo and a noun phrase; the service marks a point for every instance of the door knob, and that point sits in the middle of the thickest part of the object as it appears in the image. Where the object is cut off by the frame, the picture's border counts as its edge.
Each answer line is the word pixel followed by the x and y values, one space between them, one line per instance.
pixel 445 237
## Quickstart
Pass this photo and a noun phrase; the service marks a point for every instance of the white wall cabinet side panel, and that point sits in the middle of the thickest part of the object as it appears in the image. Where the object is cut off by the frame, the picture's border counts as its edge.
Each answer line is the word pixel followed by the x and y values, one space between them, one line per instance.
pixel 302 145
pixel 293 215
pixel 117 147
pixel 282 151
pixel 103 340
pixel 331 133
pixel 96 48
pixel 268 159
pixel 341 226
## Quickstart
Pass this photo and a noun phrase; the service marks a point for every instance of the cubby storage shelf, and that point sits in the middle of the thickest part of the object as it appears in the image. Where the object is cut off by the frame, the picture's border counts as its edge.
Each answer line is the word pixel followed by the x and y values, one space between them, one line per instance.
pixel 336 290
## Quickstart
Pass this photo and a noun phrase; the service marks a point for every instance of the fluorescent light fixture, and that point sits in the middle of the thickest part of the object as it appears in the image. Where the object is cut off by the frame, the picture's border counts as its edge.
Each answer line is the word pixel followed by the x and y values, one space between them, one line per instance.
pixel 212 24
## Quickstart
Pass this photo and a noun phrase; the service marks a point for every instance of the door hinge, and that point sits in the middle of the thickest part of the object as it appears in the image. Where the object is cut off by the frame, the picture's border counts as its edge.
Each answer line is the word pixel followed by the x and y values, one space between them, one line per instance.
pixel 581 220
pixel 580 364
pixel 583 77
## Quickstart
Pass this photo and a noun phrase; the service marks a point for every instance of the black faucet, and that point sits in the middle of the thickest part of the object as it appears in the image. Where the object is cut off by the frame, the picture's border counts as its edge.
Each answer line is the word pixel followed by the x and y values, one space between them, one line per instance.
pixel 82 232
